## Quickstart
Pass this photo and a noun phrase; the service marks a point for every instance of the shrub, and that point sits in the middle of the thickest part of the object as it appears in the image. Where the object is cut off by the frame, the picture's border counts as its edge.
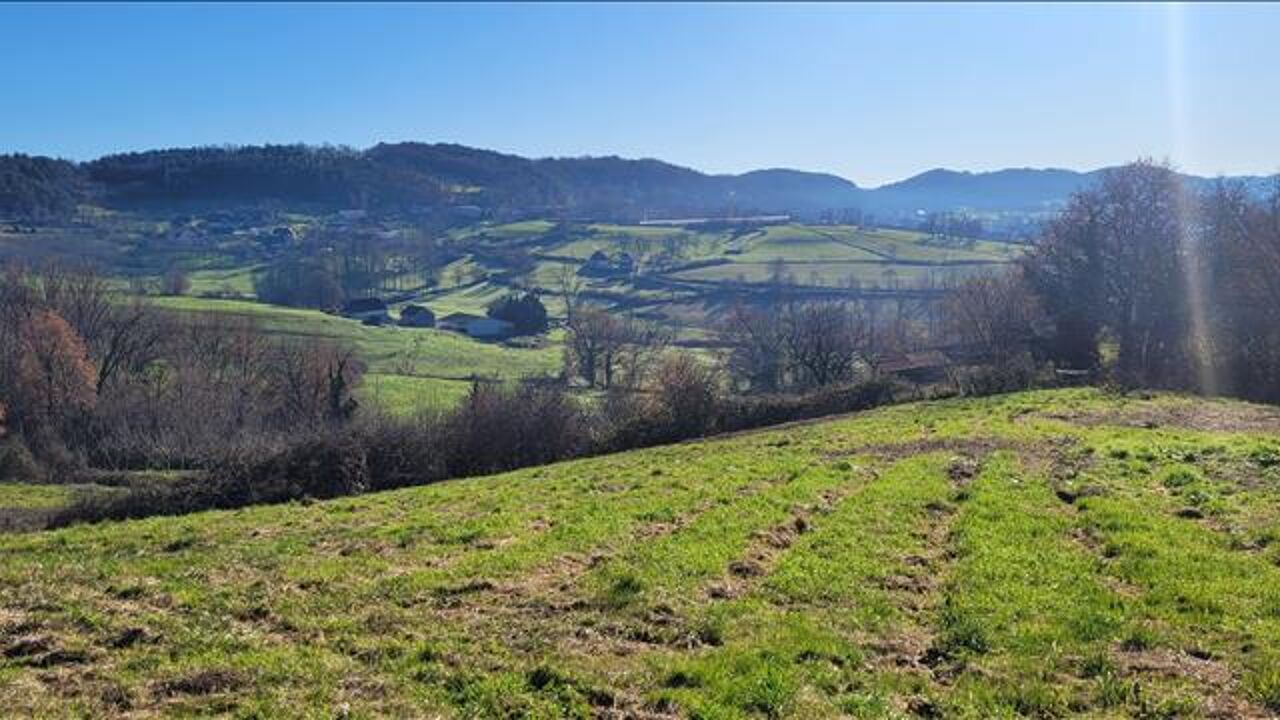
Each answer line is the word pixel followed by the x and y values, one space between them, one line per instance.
pixel 17 464
pixel 322 467
pixel 499 427
pixel 1019 373
pixel 526 312
pixel 688 394
pixel 743 413
pixel 683 401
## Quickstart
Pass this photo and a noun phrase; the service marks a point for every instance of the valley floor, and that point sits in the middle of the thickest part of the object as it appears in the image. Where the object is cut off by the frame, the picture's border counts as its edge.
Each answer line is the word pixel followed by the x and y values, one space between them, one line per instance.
pixel 1041 554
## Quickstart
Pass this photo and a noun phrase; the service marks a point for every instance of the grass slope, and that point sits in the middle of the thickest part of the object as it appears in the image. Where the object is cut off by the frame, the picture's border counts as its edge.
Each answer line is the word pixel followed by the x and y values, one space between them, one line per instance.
pixel 408 368
pixel 1042 554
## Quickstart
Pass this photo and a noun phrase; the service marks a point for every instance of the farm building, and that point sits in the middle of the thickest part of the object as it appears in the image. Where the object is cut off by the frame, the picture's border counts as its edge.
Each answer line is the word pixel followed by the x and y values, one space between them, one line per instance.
pixel 601 265
pixel 477 326
pixel 417 316
pixel 369 310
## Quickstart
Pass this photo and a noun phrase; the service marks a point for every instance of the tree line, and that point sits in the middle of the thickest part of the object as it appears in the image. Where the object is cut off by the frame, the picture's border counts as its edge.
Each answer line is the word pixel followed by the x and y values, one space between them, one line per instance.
pixel 1183 285
pixel 89 378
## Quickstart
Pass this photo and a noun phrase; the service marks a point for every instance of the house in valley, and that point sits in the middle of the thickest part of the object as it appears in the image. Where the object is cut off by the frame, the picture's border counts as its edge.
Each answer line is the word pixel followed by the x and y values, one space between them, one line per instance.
pixel 602 266
pixel 477 326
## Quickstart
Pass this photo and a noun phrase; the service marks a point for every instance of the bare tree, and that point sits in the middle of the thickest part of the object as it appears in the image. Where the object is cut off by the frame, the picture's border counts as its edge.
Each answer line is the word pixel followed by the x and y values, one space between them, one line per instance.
pixel 997 316
pixel 797 344
pixel 570 286
pixel 755 347
pixel 175 282
pixel 822 341
pixel 310 382
pixel 603 348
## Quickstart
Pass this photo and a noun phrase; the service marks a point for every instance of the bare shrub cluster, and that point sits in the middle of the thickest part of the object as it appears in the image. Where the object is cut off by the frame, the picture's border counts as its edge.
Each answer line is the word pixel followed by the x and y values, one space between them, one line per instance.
pixel 89 377
pixel 497 427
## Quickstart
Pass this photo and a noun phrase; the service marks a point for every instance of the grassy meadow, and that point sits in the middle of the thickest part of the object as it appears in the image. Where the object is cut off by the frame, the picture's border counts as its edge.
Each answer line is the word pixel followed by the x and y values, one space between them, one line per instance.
pixel 414 369
pixel 408 368
pixel 685 275
pixel 1040 554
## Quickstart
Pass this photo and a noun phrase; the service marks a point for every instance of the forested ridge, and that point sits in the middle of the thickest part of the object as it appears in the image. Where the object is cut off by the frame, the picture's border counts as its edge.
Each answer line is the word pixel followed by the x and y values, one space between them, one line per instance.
pixel 413 177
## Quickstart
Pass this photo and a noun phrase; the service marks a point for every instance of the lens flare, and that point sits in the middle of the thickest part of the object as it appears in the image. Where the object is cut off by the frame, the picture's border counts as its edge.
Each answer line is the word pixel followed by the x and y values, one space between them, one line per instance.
pixel 1193 258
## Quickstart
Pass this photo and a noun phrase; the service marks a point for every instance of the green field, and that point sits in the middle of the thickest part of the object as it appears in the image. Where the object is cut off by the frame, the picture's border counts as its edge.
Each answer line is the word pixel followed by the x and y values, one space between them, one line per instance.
pixel 683 276
pixel 35 497
pixel 408 368
pixel 824 256
pixel 1041 554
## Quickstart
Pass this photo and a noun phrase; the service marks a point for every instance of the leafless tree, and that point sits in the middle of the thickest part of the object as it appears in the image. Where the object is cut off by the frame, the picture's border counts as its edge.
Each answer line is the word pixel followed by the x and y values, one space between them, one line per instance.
pixel 797 344
pixel 995 316
pixel 603 348
pixel 310 383
pixel 570 286
pixel 822 341
pixel 175 282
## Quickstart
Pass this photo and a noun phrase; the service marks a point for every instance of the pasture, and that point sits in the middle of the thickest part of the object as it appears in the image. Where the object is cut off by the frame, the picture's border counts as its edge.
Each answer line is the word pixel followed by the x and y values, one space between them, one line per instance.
pixel 408 368
pixel 1037 554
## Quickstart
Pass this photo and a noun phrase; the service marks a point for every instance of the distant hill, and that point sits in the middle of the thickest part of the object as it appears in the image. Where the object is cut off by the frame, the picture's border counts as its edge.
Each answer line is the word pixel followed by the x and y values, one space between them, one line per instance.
pixel 415 177
pixel 1013 189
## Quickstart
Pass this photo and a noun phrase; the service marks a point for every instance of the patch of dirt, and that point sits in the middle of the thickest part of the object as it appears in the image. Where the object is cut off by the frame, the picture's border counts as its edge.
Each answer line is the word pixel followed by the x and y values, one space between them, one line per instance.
pixel 626 706
pixel 14 623
pixel 468 588
pixel 1216 681
pixel 132 636
pixel 27 647
pixel 204 682
pixel 1204 416
pixel 41 651
pixel 965 446
pixel 963 469
pixel 905 650
pixel 363 688
pixel 57 657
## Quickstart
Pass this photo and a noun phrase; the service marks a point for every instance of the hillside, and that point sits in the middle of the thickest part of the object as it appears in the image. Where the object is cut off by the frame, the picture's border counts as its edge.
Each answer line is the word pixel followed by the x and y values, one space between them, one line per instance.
pixel 685 278
pixel 1047 553
pixel 408 370
pixel 439 179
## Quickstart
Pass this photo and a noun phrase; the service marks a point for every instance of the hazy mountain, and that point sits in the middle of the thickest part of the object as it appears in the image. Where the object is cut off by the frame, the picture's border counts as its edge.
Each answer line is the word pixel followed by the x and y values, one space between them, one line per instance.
pixel 1013 189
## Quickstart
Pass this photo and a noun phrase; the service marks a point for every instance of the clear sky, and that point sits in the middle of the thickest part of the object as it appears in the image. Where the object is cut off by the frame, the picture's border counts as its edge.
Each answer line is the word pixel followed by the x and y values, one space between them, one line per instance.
pixel 874 93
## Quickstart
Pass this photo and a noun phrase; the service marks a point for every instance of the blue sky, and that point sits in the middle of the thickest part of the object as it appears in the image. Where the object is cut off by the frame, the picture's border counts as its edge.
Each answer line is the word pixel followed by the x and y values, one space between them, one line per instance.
pixel 872 93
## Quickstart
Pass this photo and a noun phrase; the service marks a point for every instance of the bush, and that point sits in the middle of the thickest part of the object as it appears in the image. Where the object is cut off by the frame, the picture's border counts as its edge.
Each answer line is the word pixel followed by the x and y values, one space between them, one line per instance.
pixel 403 453
pixel 688 394
pixel 526 312
pixel 17 464
pixel 499 427
pixel 744 413
pixel 323 467
pixel 682 402
pixel 1020 373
